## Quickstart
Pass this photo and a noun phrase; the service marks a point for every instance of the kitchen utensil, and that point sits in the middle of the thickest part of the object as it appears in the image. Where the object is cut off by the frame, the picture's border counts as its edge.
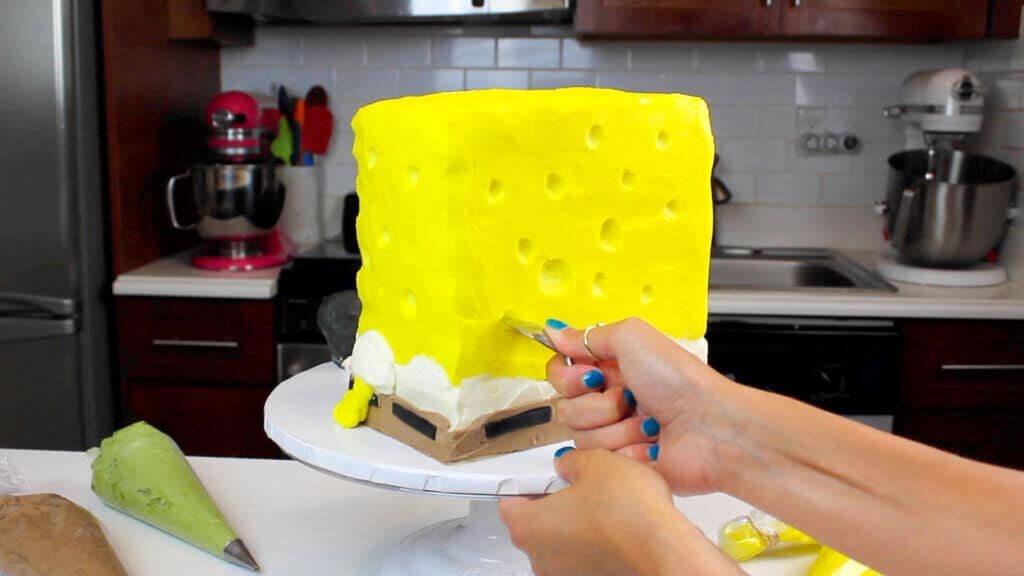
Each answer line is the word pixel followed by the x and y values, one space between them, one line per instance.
pixel 298 126
pixel 317 96
pixel 947 208
pixel 532 331
pixel 281 147
pixel 318 130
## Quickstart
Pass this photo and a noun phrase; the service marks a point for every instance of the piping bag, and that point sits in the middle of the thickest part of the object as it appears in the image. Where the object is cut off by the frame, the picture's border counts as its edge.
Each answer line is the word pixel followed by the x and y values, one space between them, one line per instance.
pixel 757 533
pixel 142 472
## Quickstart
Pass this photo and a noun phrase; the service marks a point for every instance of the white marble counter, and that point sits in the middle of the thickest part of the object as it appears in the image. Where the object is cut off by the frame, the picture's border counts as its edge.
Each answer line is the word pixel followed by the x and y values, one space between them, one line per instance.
pixel 173 276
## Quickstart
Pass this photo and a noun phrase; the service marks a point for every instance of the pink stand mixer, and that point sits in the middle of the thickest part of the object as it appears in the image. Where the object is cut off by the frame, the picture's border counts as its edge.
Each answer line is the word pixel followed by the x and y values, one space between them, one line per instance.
pixel 238 198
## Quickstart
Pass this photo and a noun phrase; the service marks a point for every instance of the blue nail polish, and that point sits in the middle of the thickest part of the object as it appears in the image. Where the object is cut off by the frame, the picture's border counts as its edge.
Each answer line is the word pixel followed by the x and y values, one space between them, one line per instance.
pixel 593 379
pixel 650 427
pixel 630 399
pixel 556 324
pixel 652 452
pixel 561 451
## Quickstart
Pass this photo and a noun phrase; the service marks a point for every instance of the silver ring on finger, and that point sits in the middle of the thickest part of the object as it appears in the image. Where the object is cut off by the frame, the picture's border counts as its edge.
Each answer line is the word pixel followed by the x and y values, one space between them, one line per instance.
pixel 586 342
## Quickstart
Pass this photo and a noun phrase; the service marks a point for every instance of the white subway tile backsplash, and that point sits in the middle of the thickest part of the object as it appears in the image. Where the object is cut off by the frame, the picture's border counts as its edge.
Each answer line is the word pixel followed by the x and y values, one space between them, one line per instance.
pixel 367 85
pixel 480 79
pixel 825 90
pixel 775 123
pixel 456 52
pixel 340 178
pixel 734 122
pixel 788 188
pixel 892 59
pixel 561 78
pixel 417 82
pixel 853 189
pixel 658 56
pixel 340 149
pixel 634 81
pixel 871 124
pixel 796 161
pixel 712 87
pixel 274 47
pixel 529 52
pixel 595 55
pixel 879 89
pixel 741 185
pixel 841 119
pixel 750 156
pixel 716 58
pixel 344 48
pixel 761 89
pixel 790 59
pixel 397 51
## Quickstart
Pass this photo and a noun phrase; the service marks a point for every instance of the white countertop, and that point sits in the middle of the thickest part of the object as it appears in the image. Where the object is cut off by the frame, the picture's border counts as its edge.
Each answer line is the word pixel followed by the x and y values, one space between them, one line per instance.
pixel 174 277
pixel 299 521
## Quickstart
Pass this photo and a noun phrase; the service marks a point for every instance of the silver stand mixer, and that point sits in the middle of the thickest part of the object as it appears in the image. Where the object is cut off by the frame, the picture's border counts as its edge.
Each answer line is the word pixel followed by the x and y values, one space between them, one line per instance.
pixel 947 209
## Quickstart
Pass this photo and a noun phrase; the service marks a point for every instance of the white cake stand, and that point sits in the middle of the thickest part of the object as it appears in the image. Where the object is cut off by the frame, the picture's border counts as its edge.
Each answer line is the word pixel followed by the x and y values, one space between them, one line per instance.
pixel 297 417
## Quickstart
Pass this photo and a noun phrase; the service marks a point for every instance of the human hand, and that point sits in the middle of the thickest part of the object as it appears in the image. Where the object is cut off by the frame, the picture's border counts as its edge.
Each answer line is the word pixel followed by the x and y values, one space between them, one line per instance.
pixel 616 517
pixel 650 399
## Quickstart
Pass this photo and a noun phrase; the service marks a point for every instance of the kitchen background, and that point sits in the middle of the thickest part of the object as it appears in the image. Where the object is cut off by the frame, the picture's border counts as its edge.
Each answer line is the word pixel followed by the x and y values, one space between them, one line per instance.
pixel 762 96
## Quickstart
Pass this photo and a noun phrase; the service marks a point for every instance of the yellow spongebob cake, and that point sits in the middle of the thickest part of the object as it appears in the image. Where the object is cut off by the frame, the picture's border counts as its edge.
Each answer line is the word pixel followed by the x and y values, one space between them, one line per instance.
pixel 581 204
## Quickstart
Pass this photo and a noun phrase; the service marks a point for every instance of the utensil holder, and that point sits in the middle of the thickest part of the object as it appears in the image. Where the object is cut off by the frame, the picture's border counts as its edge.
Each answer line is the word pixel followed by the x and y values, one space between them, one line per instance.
pixel 301 218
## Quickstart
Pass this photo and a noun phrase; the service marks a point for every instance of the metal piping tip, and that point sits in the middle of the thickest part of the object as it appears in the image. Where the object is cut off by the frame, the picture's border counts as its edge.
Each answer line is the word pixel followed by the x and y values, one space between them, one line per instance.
pixel 236 553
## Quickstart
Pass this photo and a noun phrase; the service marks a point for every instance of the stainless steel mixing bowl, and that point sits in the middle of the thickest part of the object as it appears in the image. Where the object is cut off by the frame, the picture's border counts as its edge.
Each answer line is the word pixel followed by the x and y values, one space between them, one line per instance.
pixel 233 201
pixel 947 210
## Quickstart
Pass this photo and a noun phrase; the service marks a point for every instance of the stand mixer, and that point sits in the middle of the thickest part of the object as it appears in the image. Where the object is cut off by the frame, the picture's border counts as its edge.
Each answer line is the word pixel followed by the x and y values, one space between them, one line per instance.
pixel 238 198
pixel 947 209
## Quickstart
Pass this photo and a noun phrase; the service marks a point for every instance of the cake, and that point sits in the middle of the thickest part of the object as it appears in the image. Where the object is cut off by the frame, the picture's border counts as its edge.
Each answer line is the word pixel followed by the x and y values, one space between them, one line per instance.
pixel 581 204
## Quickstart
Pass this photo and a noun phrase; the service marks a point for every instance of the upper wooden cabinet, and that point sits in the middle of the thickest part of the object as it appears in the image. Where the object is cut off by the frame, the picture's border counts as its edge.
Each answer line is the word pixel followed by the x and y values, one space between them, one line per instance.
pixel 679 17
pixel 923 19
pixel 889 19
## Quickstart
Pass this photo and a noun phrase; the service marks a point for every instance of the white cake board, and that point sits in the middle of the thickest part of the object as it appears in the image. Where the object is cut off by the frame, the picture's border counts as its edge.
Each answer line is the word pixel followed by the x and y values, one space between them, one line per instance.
pixel 983 274
pixel 297 416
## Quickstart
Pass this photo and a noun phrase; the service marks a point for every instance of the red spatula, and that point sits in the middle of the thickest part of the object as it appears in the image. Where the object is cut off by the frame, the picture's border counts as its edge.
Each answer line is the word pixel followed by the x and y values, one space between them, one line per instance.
pixel 319 125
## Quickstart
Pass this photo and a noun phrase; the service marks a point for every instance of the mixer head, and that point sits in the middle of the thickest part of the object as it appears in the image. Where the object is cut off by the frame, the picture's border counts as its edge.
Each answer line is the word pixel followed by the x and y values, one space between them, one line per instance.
pixel 946 103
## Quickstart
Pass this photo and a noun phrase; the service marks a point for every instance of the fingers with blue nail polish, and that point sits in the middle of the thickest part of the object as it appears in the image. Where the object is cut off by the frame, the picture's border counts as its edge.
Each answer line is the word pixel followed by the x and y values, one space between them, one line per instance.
pixel 593 379
pixel 556 324
pixel 630 399
pixel 652 452
pixel 563 450
pixel 650 427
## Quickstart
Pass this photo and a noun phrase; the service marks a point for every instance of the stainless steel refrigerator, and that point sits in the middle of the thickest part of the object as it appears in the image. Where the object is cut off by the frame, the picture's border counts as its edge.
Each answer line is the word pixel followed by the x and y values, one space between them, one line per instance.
pixel 55 382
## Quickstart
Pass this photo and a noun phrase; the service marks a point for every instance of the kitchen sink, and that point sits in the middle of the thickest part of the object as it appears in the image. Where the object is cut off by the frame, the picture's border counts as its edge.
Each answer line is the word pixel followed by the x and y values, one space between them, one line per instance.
pixel 790 269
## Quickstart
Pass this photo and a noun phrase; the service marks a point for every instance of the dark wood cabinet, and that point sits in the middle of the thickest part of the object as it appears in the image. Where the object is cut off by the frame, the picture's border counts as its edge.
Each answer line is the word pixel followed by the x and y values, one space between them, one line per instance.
pixel 689 18
pixel 963 388
pixel 200 370
pixel 850 19
pixel 911 19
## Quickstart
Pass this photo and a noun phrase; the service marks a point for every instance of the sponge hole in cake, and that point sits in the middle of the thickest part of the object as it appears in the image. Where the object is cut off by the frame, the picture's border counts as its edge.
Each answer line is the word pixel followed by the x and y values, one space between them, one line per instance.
pixel 599 285
pixel 663 140
pixel 524 250
pixel 556 277
pixel 555 185
pixel 594 136
pixel 495 191
pixel 671 211
pixel 611 235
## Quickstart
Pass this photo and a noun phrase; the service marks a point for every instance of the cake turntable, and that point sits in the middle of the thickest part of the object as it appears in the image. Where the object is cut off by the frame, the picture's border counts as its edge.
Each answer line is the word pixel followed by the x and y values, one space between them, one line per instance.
pixel 297 418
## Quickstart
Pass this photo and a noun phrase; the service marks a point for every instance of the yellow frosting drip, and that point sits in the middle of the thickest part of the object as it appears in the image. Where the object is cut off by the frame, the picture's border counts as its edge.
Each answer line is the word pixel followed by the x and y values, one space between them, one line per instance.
pixel 351 411
pixel 580 204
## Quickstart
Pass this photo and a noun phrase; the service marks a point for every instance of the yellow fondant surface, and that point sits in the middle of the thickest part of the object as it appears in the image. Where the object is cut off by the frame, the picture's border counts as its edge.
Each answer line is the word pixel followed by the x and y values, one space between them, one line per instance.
pixel 581 204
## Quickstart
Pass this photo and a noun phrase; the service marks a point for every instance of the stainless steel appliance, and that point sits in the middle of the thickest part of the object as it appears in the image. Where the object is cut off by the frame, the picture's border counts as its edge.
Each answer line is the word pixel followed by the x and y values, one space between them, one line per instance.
pixel 238 198
pixel 378 11
pixel 55 384
pixel 848 366
pixel 947 208
pixel 312 275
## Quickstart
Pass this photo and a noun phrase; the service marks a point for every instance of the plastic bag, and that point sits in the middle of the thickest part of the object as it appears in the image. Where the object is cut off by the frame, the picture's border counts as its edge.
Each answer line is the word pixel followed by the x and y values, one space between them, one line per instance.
pixel 10 481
